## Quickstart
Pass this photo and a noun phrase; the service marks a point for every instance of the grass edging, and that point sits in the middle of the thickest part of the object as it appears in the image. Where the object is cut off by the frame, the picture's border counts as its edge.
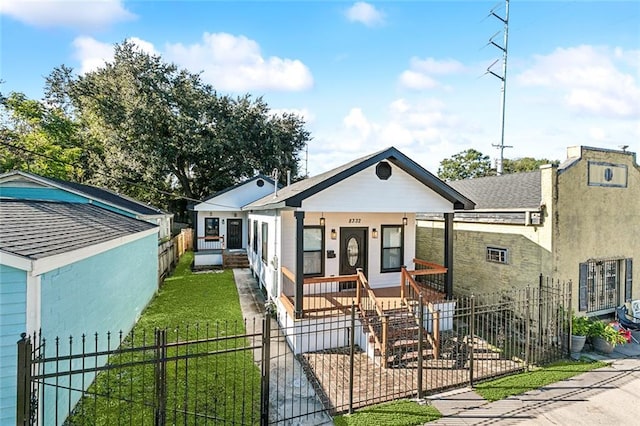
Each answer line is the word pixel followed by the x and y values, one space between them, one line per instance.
pixel 402 412
pixel 517 384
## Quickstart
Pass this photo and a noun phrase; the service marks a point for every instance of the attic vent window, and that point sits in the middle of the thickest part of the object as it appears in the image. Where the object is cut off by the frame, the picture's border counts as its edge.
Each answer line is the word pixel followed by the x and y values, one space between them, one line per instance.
pixel 383 170
pixel 260 183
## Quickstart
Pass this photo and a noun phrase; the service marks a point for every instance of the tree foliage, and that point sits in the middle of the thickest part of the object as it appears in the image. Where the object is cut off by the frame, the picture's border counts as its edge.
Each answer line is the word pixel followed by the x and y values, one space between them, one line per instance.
pixel 37 137
pixel 148 124
pixel 524 164
pixel 465 165
pixel 472 164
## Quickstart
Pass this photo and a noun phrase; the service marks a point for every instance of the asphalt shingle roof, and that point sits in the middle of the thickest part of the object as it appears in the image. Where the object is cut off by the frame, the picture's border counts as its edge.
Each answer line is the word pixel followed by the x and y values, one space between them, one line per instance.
pixel 511 191
pixel 38 229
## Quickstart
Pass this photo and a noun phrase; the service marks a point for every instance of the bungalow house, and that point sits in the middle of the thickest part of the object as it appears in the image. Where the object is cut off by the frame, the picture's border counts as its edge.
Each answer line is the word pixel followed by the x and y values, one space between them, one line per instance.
pixel 67 267
pixel 574 222
pixel 221 226
pixel 43 188
pixel 349 234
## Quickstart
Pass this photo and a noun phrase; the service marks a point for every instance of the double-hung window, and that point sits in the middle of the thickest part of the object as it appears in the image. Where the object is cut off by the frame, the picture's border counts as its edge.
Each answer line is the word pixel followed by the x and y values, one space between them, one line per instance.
pixel 313 246
pixel 392 248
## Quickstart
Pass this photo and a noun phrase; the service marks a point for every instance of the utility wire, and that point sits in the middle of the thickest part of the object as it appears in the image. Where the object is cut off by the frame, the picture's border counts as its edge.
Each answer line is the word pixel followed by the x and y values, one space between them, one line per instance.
pixel 128 182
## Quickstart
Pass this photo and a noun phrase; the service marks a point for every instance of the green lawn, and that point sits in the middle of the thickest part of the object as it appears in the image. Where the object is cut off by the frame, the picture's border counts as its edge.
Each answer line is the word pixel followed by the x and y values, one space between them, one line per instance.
pixel 224 386
pixel 504 387
pixel 396 413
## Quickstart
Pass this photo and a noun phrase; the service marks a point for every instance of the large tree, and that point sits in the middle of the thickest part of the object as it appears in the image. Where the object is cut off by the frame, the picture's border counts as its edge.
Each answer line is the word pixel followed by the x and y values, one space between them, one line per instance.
pixel 465 165
pixel 151 124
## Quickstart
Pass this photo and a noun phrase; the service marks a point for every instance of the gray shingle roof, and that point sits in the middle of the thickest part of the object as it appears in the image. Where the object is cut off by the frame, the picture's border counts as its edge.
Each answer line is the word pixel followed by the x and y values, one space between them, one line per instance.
pixel 293 194
pixel 511 191
pixel 38 229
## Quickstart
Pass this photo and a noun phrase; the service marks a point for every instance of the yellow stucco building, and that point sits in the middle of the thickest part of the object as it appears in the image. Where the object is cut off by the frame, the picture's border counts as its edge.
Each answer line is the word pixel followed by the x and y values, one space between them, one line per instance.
pixel 578 222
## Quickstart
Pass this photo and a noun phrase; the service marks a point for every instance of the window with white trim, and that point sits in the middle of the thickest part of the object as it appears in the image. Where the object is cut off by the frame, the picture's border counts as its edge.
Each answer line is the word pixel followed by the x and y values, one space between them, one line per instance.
pixel 392 248
pixel 313 247
pixel 497 255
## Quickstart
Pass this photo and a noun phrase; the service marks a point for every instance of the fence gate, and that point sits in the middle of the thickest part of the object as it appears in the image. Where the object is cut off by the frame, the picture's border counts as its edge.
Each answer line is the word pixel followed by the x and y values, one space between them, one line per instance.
pixel 193 375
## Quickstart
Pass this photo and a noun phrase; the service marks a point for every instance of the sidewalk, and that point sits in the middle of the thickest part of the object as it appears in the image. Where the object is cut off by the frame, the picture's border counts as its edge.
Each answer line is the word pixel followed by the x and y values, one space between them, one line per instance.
pixel 604 396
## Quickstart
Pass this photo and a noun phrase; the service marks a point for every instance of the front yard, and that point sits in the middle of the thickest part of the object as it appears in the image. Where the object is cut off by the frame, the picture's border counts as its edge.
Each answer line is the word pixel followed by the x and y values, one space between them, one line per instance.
pixel 214 379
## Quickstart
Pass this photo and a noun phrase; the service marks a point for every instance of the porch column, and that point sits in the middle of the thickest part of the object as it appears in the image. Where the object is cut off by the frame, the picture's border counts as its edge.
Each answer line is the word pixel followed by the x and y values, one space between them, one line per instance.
pixel 194 217
pixel 448 253
pixel 299 215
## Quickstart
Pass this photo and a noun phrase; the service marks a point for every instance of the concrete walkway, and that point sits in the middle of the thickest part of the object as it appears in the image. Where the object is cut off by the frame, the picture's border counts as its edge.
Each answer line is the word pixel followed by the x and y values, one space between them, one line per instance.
pixel 606 396
pixel 291 395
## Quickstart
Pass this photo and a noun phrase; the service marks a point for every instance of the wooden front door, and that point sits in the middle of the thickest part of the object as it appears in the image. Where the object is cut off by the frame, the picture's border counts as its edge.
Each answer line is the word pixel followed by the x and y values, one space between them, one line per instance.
pixel 234 234
pixel 353 252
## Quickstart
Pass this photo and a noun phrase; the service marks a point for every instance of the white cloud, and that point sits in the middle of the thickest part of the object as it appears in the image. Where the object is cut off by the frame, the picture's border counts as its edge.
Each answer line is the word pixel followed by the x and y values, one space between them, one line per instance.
pixel 420 74
pixel 93 54
pixel 424 130
pixel 588 80
pixel 235 63
pixel 365 13
pixel 66 13
pixel 228 62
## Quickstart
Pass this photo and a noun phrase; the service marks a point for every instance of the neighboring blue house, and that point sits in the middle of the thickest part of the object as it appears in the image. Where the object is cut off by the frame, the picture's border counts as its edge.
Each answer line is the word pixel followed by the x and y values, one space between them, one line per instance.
pixel 67 267
pixel 33 186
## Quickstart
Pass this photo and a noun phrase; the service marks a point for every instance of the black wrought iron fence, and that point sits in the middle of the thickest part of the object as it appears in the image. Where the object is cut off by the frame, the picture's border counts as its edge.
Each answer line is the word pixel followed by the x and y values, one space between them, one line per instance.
pixel 298 369
pixel 190 375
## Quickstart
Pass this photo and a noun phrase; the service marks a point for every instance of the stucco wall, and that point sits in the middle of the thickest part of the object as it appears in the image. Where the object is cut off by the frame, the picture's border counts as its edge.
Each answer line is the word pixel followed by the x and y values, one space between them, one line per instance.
pixel 13 321
pixel 597 222
pixel 472 273
pixel 106 292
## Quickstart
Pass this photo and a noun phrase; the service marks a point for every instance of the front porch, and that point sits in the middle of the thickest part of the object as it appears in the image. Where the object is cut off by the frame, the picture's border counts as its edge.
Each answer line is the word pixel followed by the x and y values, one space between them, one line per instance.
pixel 392 318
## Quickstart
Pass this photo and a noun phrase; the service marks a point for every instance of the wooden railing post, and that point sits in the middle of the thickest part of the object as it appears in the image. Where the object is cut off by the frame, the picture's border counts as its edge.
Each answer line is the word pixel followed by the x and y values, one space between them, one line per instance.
pixel 359 285
pixel 385 337
pixel 403 279
pixel 436 331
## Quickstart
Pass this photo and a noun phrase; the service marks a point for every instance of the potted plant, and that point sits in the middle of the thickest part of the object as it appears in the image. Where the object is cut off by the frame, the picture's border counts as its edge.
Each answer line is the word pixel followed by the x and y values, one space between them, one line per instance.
pixel 604 337
pixel 579 330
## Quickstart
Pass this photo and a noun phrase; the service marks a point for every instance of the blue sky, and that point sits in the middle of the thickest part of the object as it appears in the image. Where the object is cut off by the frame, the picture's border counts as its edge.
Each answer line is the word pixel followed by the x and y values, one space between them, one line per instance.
pixel 368 75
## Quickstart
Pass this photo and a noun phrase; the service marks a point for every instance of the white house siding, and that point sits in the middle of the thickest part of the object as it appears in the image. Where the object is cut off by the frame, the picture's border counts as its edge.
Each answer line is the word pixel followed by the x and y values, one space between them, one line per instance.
pixel 267 272
pixel 365 192
pixel 13 321
pixel 235 198
pixel 223 216
pixel 336 221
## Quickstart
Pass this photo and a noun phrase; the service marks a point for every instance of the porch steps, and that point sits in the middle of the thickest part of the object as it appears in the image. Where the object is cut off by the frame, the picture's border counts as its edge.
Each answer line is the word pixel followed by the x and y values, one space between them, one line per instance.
pixel 235 260
pixel 402 339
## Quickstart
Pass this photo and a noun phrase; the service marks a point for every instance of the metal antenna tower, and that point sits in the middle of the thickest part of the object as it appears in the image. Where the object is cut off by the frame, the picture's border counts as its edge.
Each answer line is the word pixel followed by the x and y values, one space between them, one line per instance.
pixel 502 78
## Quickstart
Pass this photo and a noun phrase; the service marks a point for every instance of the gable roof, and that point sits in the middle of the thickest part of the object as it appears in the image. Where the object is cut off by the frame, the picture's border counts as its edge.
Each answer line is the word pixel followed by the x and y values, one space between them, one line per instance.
pixel 208 201
pixel 293 195
pixel 510 191
pixel 38 229
pixel 99 194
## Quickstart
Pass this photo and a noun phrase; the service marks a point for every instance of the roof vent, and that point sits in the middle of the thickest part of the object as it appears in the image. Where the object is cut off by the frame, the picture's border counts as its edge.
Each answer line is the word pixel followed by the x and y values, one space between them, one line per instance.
pixel 383 170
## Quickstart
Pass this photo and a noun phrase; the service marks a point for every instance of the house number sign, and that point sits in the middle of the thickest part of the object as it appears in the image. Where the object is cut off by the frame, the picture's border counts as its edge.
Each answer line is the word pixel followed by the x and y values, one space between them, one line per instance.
pixel 355 220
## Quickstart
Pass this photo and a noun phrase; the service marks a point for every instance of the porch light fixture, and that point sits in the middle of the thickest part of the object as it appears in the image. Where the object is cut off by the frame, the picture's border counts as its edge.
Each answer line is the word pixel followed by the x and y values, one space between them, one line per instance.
pixel 322 220
pixel 405 220
pixel 374 233
pixel 334 234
